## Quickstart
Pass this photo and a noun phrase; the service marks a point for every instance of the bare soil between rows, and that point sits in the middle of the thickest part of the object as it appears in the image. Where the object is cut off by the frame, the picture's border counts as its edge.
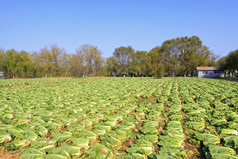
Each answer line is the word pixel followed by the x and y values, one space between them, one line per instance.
pixel 4 154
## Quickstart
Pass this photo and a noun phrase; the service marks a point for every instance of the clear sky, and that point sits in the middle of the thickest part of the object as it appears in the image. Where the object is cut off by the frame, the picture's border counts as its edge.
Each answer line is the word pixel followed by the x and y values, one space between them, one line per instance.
pixel 143 24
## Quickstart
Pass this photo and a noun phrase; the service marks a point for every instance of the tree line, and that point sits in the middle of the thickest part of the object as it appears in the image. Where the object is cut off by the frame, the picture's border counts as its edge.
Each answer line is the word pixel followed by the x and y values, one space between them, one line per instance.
pixel 52 61
pixel 175 57
pixel 230 63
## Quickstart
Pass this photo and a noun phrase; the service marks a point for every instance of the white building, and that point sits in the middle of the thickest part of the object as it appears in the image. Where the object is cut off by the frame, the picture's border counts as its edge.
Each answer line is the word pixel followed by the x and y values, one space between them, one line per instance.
pixel 210 72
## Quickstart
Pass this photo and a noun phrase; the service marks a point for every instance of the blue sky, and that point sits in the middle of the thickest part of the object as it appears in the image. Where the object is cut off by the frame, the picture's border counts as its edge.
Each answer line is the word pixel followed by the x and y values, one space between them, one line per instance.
pixel 143 24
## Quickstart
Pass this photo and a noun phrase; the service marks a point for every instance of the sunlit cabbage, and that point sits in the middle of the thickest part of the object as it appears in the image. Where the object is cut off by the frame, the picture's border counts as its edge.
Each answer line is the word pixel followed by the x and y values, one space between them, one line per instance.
pixel 87 134
pixel 20 143
pixel 74 151
pixel 32 153
pixel 216 150
pixel 99 151
pixel 208 138
pixel 41 130
pixel 149 137
pixel 61 136
pixel 175 141
pixel 229 132
pixel 42 145
pixel 109 141
pixel 141 146
pixel 4 137
pixel 81 142
pixel 58 153
pixel 231 141
pixel 199 126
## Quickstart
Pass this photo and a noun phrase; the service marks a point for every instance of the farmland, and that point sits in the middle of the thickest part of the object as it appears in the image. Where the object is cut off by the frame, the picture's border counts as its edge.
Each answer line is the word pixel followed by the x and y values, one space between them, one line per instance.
pixel 62 118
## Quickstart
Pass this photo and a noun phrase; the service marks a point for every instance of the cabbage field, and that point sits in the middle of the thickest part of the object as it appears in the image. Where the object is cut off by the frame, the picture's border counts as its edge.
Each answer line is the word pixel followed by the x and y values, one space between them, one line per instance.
pixel 131 118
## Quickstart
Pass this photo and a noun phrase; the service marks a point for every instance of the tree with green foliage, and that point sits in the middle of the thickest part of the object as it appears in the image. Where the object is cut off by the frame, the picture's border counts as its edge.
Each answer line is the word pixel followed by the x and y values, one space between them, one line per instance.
pixel 17 64
pixel 134 64
pixel 230 62
pixel 157 60
pixel 143 62
pixel 192 54
pixel 223 62
pixel 24 64
pixel 10 63
pixel 2 56
pixel 138 64
pixel 171 51
pixel 122 56
pixel 46 61
pixel 36 68
pixel 111 66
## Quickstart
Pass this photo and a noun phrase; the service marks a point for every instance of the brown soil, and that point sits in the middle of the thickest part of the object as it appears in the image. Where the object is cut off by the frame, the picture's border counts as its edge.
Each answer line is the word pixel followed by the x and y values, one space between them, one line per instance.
pixel 88 80
pixel 197 151
pixel 100 120
pixel 151 99
pixel 119 122
pixel 49 135
pixel 164 117
pixel 126 144
pixel 161 127
pixel 166 106
pixel 64 128
pixel 81 119
pixel 95 141
pixel 138 127
pixel 9 154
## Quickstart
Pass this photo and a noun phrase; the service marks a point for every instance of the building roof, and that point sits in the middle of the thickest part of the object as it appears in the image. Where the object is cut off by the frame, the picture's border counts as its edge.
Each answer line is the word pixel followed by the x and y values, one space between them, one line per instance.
pixel 208 68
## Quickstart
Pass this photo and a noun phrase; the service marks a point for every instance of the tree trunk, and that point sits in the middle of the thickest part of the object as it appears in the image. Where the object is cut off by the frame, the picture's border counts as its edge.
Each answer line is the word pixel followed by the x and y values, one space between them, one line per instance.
pixel 185 73
pixel 173 74
pixel 67 71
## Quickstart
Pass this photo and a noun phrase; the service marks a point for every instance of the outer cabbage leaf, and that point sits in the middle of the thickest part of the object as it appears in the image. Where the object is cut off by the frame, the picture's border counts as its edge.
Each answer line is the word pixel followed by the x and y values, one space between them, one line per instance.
pixel 32 154
pixel 4 137
pixel 61 136
pixel 99 151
